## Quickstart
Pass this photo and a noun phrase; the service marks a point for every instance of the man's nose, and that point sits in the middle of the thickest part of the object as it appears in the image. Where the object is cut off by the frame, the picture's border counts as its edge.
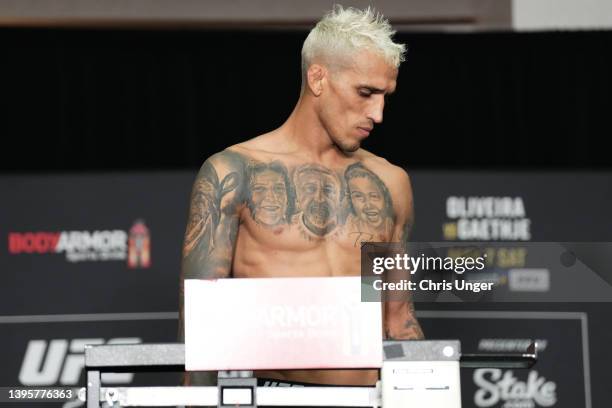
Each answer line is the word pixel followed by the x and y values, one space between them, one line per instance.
pixel 368 205
pixel 269 195
pixel 375 112
pixel 320 195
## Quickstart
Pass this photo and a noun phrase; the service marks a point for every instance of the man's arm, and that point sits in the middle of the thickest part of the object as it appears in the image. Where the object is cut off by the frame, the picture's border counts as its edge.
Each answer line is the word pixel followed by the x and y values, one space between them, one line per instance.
pixel 400 320
pixel 216 199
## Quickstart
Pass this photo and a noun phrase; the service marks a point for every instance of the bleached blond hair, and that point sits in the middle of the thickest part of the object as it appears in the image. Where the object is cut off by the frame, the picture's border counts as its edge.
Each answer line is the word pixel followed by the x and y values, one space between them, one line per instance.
pixel 343 31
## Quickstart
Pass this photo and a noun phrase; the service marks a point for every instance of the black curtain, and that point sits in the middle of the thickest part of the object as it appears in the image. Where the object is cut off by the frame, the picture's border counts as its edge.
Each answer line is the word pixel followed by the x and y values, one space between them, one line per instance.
pixel 78 100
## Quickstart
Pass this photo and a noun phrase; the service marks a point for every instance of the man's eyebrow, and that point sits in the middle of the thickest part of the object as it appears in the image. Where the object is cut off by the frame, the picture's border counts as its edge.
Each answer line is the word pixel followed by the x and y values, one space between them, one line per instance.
pixel 375 90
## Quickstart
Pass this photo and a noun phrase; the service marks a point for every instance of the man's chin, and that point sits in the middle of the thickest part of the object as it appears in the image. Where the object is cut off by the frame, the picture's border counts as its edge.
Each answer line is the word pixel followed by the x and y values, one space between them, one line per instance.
pixel 350 148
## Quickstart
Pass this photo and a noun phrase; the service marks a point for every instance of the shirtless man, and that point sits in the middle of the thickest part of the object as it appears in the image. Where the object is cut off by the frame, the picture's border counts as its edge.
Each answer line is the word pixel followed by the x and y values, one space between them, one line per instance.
pixel 299 201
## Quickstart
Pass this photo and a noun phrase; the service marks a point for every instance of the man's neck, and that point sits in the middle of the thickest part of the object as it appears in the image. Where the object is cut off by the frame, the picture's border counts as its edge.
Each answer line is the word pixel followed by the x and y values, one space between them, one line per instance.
pixel 304 133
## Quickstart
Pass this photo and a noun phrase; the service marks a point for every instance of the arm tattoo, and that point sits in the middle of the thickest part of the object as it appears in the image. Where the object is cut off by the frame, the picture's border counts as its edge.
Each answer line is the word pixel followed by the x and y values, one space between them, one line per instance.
pixel 213 218
pixel 213 221
pixel 405 324
pixel 412 328
pixel 204 212
pixel 407 229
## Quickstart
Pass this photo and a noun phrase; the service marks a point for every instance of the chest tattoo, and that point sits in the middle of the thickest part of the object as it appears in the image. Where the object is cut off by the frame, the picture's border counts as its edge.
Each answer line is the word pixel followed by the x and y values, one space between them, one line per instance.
pixel 322 203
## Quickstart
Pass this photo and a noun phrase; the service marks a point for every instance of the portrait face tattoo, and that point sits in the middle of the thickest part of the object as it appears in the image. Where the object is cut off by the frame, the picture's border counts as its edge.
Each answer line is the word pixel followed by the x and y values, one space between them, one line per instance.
pixel 367 200
pixel 318 192
pixel 269 194
pixel 370 200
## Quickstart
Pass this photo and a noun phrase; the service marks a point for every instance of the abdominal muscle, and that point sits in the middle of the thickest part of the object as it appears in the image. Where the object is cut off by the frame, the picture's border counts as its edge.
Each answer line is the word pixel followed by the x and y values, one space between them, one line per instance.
pixel 286 253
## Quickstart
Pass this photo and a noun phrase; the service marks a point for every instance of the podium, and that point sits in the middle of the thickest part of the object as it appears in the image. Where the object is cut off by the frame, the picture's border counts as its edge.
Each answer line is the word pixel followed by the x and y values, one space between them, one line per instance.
pixel 413 373
pixel 300 323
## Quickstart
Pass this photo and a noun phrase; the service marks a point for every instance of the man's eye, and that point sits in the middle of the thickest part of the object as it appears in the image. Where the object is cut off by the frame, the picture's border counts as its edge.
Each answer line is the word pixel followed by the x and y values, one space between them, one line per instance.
pixel 310 189
pixel 358 196
pixel 365 93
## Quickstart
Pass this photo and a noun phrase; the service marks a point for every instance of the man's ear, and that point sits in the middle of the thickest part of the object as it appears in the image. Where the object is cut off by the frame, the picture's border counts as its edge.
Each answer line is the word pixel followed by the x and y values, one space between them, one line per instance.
pixel 316 76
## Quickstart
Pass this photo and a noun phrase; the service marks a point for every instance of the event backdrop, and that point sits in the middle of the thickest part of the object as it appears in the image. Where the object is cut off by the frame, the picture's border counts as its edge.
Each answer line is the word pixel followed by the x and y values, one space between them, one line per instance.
pixel 135 99
pixel 95 258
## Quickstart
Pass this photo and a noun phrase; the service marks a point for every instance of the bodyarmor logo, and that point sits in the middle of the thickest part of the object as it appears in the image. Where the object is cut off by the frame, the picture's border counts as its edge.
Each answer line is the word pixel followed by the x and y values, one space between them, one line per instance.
pixel 139 246
pixel 495 388
pixel 61 362
pixel 81 246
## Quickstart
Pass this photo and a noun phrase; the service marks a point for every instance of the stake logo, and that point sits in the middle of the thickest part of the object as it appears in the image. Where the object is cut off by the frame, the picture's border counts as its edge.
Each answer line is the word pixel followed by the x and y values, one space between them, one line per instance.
pixel 80 246
pixel 499 387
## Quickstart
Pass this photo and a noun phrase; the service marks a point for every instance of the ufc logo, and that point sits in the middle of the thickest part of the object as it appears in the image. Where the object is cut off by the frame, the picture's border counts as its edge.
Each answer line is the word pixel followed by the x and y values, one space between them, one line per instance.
pixel 57 362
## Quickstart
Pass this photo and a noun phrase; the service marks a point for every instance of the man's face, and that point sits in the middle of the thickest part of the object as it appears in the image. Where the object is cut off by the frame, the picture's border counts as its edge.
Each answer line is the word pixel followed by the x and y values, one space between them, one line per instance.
pixel 354 98
pixel 268 197
pixel 367 200
pixel 318 196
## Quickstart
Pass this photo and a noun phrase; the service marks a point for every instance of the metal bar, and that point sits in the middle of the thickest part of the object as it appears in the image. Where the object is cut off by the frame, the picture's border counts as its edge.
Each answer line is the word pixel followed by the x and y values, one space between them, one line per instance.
pixel 171 356
pixel 237 391
pixel 318 396
pixel 93 389
pixel 422 350
pixel 114 356
pixel 502 360
pixel 498 360
pixel 268 396
pixel 150 357
pixel 167 396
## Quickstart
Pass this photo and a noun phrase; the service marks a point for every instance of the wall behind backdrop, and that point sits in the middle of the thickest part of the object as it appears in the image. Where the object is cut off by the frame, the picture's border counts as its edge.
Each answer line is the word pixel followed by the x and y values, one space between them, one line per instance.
pixel 81 101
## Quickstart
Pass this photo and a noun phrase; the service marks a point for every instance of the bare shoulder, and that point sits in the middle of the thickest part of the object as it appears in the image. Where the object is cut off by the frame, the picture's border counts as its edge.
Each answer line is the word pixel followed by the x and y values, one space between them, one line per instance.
pixel 237 155
pixel 396 180
pixel 262 146
pixel 258 143
pixel 394 176
pixel 223 163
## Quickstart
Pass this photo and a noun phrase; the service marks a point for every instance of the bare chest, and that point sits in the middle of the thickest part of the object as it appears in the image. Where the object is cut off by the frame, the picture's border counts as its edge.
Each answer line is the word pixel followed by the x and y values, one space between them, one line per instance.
pixel 311 215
